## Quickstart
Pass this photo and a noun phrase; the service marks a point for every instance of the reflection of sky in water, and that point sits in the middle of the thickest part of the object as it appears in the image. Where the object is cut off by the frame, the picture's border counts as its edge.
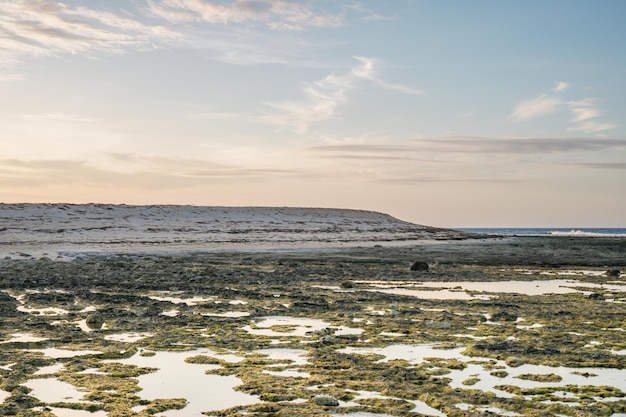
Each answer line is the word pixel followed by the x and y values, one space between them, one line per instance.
pixel 66 412
pixel 410 353
pixel 420 406
pixel 302 326
pixel 64 353
pixel 51 390
pixel 24 338
pixel 417 353
pixel 457 290
pixel 179 300
pixel 293 356
pixel 288 374
pixel 179 379
pixel 605 376
pixel 4 395
pixel 48 370
pixel 232 314
pixel 127 337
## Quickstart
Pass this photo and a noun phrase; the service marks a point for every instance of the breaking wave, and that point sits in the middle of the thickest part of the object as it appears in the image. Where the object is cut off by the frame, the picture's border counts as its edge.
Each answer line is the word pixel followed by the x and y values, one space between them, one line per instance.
pixel 590 233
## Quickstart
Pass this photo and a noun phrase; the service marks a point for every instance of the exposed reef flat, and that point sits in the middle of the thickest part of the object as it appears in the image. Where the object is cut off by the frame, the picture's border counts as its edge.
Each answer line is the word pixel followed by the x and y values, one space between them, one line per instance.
pixel 517 326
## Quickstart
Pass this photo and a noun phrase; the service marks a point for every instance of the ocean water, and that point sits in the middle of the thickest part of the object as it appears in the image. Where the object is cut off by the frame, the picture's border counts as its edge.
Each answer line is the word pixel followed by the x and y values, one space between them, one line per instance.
pixel 571 232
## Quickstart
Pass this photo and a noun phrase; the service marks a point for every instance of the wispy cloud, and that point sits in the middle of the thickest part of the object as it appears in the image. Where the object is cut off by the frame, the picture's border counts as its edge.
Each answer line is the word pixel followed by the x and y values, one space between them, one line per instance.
pixel 517 146
pixel 600 165
pixel 593 126
pixel 234 31
pixel 560 86
pixel 41 27
pixel 540 106
pixel 368 71
pixel 147 172
pixel 585 111
pixel 469 145
pixel 324 97
pixel 321 102
pixel 275 14
pixel 418 179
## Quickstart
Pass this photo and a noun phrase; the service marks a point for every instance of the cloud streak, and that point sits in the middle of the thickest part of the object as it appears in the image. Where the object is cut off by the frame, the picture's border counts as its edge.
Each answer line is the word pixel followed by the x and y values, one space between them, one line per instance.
pixel 43 28
pixel 282 15
pixel 323 98
pixel 585 111
pixel 560 86
pixel 469 144
pixel 368 70
pixel 142 172
pixel 537 107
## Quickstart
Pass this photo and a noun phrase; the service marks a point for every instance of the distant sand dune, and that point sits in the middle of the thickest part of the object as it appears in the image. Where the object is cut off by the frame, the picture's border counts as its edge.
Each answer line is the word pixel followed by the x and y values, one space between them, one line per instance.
pixel 120 228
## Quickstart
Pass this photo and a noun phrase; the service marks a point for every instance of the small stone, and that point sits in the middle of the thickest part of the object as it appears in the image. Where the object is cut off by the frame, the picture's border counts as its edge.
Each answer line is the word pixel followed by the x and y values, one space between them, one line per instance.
pixel 419 266
pixel 326 400
pixel 514 362
pixel 613 273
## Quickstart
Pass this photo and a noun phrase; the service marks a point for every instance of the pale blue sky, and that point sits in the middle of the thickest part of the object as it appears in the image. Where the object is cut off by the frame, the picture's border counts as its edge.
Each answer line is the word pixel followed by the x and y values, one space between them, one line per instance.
pixel 446 113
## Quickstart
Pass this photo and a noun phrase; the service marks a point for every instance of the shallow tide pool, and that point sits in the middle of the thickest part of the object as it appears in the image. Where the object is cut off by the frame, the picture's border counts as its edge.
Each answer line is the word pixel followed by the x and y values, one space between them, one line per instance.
pixel 176 378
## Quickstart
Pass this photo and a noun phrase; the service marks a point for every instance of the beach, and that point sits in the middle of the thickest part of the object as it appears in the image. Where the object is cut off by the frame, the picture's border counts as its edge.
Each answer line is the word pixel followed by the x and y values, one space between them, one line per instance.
pixel 507 326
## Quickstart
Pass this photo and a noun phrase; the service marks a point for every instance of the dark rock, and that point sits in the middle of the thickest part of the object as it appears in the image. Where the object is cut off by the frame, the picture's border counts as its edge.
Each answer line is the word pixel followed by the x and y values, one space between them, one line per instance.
pixel 326 400
pixel 613 273
pixel 419 266
pixel 94 321
pixel 595 296
pixel 504 316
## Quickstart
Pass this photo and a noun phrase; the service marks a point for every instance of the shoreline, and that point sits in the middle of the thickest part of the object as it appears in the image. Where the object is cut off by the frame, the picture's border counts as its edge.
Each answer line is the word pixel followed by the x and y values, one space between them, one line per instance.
pixel 551 251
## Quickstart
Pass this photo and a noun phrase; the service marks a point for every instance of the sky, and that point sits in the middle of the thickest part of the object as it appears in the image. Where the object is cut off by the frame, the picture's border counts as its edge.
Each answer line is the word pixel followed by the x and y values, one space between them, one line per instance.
pixel 483 113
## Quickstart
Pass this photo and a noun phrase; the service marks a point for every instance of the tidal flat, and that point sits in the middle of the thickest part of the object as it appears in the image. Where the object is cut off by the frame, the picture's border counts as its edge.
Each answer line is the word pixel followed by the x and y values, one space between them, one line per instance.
pixel 524 326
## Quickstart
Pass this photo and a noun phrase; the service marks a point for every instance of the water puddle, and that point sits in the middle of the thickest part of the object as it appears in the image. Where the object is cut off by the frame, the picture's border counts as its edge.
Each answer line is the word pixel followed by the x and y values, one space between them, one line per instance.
pixel 583 272
pixel 420 406
pixel 228 314
pixel 288 374
pixel 392 334
pixel 44 311
pixel 67 412
pixel 515 376
pixel 277 326
pixel 443 294
pixel 464 290
pixel 170 313
pixel 64 353
pixel 411 353
pixel 82 324
pixel 570 376
pixel 291 356
pixel 4 395
pixel 176 378
pixel 127 337
pixel 49 370
pixel 24 338
pixel 191 301
pixel 51 390
pixel 48 311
